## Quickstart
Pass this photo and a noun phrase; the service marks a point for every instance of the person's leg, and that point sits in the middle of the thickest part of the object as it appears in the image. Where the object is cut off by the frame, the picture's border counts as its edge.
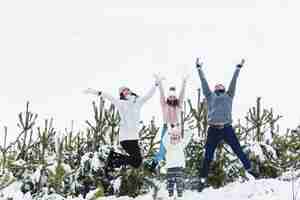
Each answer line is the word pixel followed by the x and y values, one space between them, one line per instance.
pixel 170 181
pixel 160 155
pixel 213 138
pixel 231 139
pixel 133 149
pixel 115 160
pixel 162 151
pixel 179 181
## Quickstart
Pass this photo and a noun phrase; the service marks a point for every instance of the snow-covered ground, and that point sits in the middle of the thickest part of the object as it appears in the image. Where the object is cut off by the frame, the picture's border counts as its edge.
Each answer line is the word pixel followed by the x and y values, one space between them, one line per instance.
pixel 263 189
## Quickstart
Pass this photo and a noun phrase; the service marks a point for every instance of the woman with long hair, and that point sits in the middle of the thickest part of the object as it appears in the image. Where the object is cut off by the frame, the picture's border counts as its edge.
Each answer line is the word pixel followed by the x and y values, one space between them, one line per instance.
pixel 129 105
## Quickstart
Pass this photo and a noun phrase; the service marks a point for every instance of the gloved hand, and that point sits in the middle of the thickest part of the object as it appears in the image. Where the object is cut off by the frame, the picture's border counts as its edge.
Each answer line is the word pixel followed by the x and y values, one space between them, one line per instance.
pixel 185 78
pixel 158 79
pixel 198 64
pixel 241 64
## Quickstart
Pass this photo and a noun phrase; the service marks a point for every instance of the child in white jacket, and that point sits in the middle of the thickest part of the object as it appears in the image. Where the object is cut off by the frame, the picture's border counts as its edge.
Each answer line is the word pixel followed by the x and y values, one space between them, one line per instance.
pixel 175 159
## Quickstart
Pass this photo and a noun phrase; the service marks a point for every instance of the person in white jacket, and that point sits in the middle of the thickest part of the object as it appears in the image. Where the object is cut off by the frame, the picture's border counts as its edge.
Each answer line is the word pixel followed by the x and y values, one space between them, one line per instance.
pixel 175 159
pixel 129 106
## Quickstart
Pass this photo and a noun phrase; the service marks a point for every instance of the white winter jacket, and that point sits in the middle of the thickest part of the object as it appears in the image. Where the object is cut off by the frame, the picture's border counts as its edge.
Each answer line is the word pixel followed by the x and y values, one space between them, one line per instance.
pixel 175 152
pixel 130 114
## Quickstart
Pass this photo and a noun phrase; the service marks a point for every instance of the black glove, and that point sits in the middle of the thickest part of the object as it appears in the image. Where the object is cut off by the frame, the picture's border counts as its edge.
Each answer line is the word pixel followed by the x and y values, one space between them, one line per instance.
pixel 240 65
pixel 198 64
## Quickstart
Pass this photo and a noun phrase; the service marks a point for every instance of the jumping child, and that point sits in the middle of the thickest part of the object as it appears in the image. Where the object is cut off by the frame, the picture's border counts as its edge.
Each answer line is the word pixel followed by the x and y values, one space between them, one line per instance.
pixel 175 160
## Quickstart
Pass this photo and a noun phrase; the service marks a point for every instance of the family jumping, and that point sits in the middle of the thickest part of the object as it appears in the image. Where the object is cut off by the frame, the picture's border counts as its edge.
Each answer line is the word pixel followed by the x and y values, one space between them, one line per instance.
pixel 172 141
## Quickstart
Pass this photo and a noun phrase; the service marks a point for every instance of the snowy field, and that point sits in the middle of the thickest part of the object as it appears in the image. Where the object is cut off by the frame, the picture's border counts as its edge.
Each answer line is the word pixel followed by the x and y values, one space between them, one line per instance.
pixel 264 189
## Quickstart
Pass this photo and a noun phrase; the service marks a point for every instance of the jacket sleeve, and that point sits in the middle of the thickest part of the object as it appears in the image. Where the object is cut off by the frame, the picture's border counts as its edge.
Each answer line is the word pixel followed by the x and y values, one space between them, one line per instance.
pixel 113 100
pixel 148 95
pixel 182 93
pixel 162 94
pixel 166 140
pixel 204 83
pixel 232 85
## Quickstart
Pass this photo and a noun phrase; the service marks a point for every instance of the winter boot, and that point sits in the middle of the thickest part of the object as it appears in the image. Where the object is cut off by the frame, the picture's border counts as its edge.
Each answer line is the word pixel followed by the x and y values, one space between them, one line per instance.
pixel 179 198
pixel 171 195
pixel 253 172
pixel 202 184
pixel 152 166
pixel 110 164
pixel 179 195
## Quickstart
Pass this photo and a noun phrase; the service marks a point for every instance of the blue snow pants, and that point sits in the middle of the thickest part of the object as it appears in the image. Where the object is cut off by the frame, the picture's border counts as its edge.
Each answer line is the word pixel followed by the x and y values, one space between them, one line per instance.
pixel 162 150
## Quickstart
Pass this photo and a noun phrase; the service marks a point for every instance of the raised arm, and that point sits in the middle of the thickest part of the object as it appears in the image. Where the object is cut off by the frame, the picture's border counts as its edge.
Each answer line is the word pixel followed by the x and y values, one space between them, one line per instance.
pixel 102 94
pixel 182 91
pixel 149 94
pixel 161 88
pixel 110 98
pixel 232 85
pixel 204 83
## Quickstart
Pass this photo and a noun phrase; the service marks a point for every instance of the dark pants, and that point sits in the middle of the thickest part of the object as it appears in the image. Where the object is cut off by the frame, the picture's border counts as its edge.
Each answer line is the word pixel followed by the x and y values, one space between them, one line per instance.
pixel 214 137
pixel 175 176
pixel 134 157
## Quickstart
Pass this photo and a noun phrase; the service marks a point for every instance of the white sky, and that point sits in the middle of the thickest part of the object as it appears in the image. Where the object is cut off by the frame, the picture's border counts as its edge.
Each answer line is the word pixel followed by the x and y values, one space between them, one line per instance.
pixel 51 50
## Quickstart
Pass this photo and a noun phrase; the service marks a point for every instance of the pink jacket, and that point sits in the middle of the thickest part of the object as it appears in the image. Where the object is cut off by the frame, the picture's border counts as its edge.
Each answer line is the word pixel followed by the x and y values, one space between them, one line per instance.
pixel 171 115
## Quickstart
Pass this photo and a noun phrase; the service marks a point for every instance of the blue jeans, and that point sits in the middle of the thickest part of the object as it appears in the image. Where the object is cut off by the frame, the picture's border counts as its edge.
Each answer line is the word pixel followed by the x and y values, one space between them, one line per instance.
pixel 214 137
pixel 162 150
